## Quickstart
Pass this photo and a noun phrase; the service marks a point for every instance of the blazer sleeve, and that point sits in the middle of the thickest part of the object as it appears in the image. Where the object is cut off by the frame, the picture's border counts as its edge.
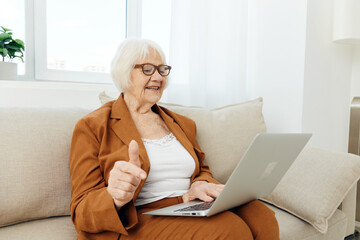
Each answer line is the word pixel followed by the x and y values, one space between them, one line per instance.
pixel 92 208
pixel 204 174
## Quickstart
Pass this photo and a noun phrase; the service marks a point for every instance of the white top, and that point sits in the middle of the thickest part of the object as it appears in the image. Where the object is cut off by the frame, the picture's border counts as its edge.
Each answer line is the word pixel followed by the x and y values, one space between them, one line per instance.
pixel 171 167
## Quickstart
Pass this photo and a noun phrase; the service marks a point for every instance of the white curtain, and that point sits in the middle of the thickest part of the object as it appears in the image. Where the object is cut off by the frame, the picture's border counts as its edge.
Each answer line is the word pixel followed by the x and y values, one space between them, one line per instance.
pixel 208 52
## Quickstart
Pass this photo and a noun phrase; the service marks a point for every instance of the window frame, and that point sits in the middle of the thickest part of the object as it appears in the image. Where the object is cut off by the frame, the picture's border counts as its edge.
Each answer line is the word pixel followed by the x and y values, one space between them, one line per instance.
pixel 36 44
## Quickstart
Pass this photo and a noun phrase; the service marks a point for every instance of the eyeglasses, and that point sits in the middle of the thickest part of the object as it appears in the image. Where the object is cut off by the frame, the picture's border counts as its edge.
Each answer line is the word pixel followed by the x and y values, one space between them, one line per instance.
pixel 149 69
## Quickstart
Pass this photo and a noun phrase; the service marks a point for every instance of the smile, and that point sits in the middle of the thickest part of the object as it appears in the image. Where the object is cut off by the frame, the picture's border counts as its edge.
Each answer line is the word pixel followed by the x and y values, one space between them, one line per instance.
pixel 154 88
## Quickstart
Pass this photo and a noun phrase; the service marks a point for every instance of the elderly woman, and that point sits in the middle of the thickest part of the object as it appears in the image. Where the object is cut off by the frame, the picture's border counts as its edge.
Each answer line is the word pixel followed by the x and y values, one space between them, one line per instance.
pixel 131 156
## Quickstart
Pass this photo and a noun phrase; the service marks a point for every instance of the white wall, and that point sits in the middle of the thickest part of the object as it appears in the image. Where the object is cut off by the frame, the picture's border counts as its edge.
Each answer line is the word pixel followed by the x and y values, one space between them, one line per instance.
pixel 355 75
pixel 327 81
pixel 52 94
pixel 306 80
pixel 276 56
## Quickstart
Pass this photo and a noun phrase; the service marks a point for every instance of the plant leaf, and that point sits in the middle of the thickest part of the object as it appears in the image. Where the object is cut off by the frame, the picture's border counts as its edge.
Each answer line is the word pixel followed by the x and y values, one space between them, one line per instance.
pixel 11 52
pixel 5 29
pixel 5 51
pixel 14 45
pixel 20 42
pixel 4 36
pixel 9 46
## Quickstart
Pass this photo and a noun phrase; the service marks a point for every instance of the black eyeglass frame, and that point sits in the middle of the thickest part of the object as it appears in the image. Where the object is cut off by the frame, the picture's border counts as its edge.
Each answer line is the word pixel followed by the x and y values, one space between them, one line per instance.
pixel 155 68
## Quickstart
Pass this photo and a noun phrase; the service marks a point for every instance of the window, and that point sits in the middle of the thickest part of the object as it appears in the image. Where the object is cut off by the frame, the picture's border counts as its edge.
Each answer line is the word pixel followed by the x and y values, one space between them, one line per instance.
pixel 85 36
pixel 75 41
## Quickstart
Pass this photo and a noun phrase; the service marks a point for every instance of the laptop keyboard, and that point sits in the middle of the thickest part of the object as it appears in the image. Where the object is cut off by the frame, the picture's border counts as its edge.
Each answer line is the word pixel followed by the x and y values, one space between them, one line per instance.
pixel 197 207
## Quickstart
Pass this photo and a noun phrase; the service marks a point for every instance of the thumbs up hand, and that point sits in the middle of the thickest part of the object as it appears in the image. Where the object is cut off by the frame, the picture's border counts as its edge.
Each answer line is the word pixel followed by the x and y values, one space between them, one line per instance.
pixel 125 177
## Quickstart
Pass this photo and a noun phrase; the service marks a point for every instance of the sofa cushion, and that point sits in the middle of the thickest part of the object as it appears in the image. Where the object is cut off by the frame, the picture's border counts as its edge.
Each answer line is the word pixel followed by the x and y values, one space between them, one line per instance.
pixel 61 228
pixel 54 228
pixel 34 164
pixel 224 134
pixel 316 184
pixel 294 228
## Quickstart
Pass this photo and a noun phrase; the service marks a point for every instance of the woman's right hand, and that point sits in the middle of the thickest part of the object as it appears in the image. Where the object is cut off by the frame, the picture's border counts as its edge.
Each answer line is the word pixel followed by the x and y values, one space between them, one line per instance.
pixel 125 177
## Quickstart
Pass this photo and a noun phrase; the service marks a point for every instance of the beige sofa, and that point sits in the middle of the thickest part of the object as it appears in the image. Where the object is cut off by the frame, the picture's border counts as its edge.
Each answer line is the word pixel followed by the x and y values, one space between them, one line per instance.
pixel 35 178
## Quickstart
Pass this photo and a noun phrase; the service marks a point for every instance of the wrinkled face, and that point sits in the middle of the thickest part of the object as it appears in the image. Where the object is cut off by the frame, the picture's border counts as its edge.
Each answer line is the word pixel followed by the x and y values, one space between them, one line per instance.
pixel 147 89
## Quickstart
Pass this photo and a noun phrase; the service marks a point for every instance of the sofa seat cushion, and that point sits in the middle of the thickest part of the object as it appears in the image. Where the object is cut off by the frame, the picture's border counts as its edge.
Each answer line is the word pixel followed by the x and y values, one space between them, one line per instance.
pixel 61 228
pixel 55 228
pixel 294 228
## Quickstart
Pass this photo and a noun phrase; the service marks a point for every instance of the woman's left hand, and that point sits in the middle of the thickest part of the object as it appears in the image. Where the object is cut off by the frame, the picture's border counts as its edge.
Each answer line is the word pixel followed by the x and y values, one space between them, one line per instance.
pixel 204 191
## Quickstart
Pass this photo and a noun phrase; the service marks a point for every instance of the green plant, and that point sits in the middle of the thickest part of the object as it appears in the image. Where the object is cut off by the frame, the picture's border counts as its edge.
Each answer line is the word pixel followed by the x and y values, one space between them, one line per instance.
pixel 10 48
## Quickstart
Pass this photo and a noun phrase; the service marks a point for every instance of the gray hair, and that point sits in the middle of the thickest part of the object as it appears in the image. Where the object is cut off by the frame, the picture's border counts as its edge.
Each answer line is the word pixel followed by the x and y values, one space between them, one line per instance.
pixel 128 53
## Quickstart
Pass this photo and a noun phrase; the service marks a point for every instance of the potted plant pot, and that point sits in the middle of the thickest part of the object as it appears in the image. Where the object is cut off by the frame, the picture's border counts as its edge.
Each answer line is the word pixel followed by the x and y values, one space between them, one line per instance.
pixel 8 71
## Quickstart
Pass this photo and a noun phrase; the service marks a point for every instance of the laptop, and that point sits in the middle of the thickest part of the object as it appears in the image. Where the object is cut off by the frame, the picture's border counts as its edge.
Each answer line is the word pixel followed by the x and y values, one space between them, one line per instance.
pixel 256 175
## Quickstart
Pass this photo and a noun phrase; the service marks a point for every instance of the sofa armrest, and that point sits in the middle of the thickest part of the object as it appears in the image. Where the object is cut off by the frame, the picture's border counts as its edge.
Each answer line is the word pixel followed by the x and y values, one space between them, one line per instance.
pixel 353 147
pixel 348 206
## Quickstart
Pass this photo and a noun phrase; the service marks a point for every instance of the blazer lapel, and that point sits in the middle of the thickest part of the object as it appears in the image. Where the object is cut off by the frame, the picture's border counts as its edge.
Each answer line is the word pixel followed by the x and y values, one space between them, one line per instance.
pixel 124 127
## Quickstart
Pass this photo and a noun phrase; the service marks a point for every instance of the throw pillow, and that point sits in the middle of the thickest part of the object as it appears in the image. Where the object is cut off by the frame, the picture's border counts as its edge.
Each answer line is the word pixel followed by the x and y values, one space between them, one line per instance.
pixel 315 185
pixel 34 166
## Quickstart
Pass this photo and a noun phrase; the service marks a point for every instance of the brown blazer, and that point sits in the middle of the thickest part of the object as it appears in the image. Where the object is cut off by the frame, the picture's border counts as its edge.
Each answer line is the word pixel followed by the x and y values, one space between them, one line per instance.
pixel 99 140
